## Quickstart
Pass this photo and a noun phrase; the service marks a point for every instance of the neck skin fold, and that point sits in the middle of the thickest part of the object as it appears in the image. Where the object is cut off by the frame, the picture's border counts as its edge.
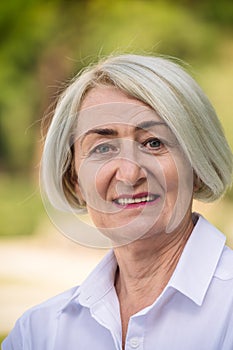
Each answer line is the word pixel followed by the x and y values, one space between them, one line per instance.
pixel 148 264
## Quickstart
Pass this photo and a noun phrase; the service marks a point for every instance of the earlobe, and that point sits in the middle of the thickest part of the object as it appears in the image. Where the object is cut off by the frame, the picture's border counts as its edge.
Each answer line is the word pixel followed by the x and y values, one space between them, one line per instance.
pixel 76 184
pixel 72 183
pixel 197 183
pixel 79 193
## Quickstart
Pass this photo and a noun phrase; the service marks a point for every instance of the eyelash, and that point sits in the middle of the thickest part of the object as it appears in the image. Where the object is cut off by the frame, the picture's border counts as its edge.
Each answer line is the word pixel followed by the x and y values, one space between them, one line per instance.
pixel 114 148
pixel 152 139
pixel 96 149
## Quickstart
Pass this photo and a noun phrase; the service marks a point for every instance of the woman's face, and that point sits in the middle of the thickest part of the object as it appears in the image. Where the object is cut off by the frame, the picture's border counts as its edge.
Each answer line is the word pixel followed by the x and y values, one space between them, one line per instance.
pixel 132 173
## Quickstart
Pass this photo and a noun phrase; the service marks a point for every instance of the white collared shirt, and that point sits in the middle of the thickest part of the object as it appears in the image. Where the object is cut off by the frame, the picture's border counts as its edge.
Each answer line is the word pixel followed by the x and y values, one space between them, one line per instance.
pixel 194 311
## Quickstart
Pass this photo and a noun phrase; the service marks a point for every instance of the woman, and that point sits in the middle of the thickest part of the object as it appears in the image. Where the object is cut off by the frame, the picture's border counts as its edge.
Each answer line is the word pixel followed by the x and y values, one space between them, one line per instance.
pixel 134 140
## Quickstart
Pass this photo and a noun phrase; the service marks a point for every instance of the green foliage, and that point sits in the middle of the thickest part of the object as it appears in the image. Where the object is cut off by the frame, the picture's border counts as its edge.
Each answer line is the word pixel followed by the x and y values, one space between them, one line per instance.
pixel 20 207
pixel 2 337
pixel 23 37
pixel 44 42
pixel 146 26
pixel 215 11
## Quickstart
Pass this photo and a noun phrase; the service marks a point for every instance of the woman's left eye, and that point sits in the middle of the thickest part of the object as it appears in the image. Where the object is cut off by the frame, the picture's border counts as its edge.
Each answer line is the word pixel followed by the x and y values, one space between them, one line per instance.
pixel 153 144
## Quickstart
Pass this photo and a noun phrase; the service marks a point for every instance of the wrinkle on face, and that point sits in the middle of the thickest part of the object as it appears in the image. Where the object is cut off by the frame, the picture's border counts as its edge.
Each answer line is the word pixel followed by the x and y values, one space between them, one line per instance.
pixel 111 160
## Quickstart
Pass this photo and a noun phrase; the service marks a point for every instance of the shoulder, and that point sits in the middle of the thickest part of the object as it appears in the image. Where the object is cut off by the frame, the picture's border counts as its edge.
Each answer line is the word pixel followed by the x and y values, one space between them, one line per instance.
pixel 224 270
pixel 215 246
pixel 46 312
pixel 34 326
pixel 52 306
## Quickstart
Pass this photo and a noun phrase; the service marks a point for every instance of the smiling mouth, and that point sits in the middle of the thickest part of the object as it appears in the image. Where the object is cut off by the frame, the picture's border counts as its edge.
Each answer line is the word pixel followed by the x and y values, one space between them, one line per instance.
pixel 140 199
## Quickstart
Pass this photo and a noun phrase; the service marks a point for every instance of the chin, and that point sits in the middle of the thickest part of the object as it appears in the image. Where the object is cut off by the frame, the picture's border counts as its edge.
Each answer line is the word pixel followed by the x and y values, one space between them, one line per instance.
pixel 130 231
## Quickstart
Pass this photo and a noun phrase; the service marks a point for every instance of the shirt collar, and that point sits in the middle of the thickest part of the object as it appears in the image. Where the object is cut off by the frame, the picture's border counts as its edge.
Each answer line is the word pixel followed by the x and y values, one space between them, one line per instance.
pixel 96 285
pixel 198 261
pixel 191 277
pixel 100 281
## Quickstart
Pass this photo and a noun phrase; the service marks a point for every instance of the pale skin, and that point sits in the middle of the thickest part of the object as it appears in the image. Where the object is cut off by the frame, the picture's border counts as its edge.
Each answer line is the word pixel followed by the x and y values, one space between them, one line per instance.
pixel 145 269
pixel 146 264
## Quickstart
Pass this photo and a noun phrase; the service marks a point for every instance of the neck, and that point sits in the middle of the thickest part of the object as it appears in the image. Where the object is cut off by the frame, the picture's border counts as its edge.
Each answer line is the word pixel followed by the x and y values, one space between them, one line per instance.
pixel 144 269
pixel 149 263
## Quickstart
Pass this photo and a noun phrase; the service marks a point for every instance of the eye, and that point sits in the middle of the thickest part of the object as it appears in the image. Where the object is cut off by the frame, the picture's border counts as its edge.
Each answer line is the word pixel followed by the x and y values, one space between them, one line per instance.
pixel 152 144
pixel 104 148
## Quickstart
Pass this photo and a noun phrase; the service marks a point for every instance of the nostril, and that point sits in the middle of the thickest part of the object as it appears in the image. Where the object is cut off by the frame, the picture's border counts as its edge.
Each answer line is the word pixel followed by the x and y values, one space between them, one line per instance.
pixel 129 172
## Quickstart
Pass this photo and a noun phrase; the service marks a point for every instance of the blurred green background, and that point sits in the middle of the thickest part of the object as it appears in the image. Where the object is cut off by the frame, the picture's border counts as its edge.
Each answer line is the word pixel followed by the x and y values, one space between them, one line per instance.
pixel 44 43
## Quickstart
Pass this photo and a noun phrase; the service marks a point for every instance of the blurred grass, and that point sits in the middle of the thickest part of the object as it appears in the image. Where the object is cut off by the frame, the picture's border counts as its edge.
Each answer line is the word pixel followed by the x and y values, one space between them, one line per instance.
pixel 20 206
pixel 22 210
pixel 64 37
pixel 2 337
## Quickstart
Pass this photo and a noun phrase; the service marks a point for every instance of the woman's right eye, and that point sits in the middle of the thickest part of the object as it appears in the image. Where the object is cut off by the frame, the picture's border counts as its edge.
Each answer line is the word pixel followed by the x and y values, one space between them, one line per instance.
pixel 104 148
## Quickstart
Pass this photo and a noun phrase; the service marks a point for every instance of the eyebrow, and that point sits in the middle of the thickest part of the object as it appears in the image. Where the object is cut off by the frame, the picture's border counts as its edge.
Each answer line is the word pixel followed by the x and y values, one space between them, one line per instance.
pixel 148 124
pixel 102 131
pixel 111 132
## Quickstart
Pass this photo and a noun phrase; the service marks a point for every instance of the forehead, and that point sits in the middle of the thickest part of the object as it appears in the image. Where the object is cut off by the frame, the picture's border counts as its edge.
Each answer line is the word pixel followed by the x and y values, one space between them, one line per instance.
pixel 115 113
pixel 106 94
pixel 107 105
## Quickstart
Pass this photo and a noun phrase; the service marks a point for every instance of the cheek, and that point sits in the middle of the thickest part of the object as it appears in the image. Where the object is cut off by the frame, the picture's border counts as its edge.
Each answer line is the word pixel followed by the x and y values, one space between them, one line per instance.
pixel 178 172
pixel 170 174
pixel 101 179
pixel 94 180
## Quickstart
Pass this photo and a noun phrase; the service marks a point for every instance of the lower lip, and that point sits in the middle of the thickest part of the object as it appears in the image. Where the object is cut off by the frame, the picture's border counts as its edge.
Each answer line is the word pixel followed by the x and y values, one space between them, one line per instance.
pixel 137 205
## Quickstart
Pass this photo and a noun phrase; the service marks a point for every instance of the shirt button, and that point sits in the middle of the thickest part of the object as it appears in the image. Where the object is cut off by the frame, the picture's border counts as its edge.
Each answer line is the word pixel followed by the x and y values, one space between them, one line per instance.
pixel 134 343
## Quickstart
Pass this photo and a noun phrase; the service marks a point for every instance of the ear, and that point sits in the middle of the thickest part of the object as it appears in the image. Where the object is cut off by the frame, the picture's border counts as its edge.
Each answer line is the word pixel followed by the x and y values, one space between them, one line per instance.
pixel 79 193
pixel 197 183
pixel 75 183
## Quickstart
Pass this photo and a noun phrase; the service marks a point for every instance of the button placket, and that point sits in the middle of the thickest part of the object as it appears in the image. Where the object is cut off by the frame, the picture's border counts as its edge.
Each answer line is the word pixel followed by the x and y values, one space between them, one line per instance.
pixel 134 342
pixel 135 334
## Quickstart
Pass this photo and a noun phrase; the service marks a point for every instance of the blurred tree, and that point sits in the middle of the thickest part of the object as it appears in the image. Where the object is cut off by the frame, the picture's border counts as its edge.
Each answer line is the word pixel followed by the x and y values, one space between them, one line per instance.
pixel 219 12
pixel 22 39
pixel 44 42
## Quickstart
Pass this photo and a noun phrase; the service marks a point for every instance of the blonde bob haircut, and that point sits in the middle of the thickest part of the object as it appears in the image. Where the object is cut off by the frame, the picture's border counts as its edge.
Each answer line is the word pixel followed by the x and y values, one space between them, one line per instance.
pixel 170 91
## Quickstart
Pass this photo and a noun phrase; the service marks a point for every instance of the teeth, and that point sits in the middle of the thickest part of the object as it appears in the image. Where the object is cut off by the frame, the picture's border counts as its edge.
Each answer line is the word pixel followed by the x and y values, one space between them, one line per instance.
pixel 125 201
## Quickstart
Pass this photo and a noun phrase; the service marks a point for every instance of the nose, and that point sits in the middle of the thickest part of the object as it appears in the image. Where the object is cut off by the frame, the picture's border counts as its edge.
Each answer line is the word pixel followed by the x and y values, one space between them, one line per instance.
pixel 129 172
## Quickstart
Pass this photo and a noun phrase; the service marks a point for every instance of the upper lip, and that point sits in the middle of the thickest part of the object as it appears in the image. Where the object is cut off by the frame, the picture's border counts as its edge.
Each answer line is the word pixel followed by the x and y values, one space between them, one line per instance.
pixel 136 195
pixel 144 196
